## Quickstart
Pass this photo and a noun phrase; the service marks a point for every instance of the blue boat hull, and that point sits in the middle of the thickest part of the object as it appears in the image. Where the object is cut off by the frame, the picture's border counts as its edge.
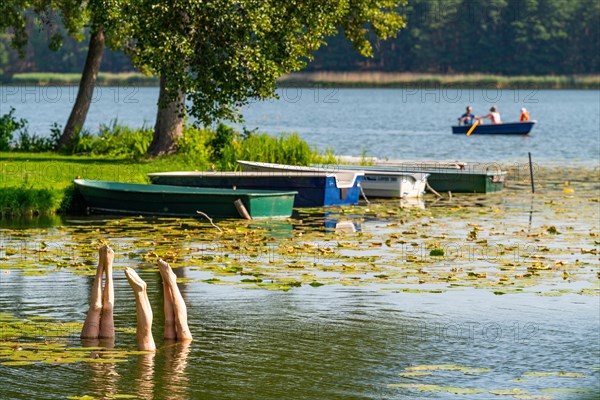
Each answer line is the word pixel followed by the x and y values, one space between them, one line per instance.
pixel 510 128
pixel 315 190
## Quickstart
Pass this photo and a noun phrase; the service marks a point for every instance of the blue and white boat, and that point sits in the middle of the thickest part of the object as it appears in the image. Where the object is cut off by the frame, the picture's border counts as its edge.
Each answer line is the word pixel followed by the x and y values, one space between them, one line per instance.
pixel 315 189
pixel 376 183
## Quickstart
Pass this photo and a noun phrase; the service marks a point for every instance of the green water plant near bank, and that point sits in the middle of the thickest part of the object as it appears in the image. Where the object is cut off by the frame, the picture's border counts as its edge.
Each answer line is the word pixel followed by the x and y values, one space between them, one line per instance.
pixel 422 81
pixel 104 79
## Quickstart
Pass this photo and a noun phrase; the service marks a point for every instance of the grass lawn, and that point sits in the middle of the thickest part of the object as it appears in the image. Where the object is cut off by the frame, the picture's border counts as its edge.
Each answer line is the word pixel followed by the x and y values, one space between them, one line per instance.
pixel 42 183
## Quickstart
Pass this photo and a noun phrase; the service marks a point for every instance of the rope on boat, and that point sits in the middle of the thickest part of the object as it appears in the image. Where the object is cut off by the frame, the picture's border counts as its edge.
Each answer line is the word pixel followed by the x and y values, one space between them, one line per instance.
pixel 362 192
pixel 209 220
pixel 432 190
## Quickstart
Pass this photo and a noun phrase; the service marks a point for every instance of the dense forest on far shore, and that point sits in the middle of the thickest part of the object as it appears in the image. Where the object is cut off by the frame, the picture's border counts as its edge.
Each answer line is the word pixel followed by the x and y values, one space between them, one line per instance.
pixel 503 37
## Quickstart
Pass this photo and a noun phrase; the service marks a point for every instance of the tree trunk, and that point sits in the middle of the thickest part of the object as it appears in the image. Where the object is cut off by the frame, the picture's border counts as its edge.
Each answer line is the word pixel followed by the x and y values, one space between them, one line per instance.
pixel 169 123
pixel 86 88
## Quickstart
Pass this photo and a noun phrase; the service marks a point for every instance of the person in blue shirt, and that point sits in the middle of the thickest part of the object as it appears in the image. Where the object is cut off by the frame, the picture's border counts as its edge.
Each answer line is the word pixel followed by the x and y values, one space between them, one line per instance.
pixel 467 118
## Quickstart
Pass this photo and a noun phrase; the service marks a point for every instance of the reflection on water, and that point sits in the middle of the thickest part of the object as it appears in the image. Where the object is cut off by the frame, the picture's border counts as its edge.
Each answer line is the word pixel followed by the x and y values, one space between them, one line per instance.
pixel 346 226
pixel 413 203
pixel 335 222
pixel 176 362
pixel 143 385
pixel 41 222
pixel 101 377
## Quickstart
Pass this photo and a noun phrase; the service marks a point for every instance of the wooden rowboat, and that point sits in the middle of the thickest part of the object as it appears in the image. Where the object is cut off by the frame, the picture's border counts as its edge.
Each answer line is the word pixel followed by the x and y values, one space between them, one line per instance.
pixel 508 128
pixel 162 200
pixel 315 189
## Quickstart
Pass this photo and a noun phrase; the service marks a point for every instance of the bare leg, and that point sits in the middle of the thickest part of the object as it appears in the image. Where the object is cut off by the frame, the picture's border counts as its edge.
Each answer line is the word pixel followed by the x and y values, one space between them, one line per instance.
pixel 170 331
pixel 107 325
pixel 143 311
pixel 179 308
pixel 91 326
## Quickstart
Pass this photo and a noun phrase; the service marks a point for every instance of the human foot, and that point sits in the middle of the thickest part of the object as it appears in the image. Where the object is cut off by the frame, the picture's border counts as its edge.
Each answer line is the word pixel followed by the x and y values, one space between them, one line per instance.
pixel 106 255
pixel 165 271
pixel 136 283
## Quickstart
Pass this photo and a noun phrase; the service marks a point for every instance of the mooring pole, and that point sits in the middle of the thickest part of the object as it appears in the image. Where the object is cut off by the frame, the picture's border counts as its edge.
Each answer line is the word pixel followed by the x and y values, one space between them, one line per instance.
pixel 531 174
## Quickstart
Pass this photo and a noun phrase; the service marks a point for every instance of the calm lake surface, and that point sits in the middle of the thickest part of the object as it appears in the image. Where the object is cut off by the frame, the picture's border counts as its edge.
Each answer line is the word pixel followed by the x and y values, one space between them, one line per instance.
pixel 386 123
pixel 510 310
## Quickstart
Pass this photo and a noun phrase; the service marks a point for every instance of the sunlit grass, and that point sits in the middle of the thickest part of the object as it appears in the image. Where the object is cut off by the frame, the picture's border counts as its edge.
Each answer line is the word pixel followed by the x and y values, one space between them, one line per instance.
pixel 41 183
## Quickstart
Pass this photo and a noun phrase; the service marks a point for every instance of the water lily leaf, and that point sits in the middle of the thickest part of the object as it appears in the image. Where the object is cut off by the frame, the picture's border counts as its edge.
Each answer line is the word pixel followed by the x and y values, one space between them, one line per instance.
pixel 559 373
pixel 415 373
pixel 446 367
pixel 16 363
pixel 508 392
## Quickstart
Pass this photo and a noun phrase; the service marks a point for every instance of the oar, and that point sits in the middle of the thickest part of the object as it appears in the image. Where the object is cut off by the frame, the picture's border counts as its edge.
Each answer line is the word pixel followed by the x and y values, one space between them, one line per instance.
pixel 472 127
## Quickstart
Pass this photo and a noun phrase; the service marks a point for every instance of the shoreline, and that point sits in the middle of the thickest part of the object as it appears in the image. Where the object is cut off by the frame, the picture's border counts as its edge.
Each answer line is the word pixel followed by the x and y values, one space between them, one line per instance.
pixel 365 80
pixel 40 184
pixel 394 80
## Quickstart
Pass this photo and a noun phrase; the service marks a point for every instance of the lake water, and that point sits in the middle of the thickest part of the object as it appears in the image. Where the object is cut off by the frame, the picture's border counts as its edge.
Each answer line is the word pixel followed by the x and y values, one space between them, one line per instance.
pixel 511 309
pixel 386 310
pixel 386 123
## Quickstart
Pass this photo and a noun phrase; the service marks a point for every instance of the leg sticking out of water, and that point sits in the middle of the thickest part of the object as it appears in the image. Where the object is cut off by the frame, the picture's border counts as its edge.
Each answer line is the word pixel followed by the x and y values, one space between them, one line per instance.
pixel 176 325
pixel 107 325
pixel 143 311
pixel 96 316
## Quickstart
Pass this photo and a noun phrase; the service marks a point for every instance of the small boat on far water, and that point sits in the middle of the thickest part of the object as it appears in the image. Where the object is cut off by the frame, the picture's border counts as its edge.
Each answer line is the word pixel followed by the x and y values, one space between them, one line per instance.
pixel 508 128
pixel 179 201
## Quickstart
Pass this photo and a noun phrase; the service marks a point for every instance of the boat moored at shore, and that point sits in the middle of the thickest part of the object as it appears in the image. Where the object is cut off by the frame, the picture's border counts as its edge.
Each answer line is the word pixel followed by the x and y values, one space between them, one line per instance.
pixel 162 200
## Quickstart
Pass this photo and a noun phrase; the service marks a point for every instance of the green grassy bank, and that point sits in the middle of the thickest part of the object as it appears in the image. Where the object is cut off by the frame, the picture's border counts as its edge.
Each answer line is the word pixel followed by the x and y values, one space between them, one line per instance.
pixel 409 80
pixel 41 183
pixel 344 79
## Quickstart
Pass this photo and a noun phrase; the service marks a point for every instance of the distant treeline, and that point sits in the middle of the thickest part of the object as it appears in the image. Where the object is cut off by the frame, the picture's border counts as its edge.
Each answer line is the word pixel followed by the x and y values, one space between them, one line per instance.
pixel 503 37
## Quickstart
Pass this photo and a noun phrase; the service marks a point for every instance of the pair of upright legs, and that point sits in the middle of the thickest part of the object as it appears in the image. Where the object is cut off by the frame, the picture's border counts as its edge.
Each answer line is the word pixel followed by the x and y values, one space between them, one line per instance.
pixel 176 326
pixel 99 321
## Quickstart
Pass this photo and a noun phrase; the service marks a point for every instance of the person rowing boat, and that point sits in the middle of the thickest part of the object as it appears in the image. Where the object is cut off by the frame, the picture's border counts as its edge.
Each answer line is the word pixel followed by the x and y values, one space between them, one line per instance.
pixel 493 116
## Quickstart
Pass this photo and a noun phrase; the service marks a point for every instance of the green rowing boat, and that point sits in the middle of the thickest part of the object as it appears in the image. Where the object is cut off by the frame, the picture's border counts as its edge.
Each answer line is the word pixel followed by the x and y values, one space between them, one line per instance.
pixel 131 198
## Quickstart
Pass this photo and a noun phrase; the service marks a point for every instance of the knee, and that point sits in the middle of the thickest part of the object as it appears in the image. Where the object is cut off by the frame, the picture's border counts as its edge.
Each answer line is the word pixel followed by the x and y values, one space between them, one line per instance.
pixel 96 306
pixel 107 307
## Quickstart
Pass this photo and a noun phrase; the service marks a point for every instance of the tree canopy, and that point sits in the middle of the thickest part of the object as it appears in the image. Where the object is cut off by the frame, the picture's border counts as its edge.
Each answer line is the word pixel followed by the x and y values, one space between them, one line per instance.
pixel 222 53
pixel 506 37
